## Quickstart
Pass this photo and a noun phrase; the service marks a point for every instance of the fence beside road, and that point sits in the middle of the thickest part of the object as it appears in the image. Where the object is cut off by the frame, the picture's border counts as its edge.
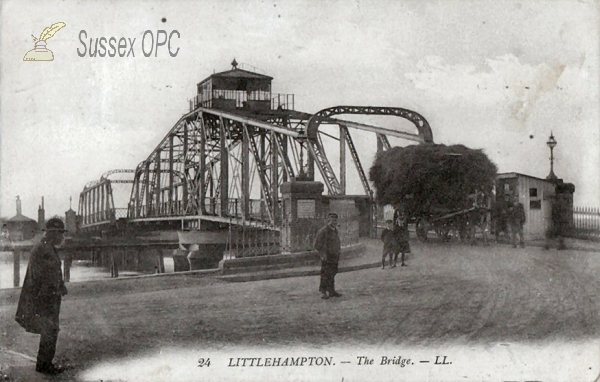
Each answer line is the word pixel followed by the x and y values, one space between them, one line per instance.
pixel 586 223
pixel 298 235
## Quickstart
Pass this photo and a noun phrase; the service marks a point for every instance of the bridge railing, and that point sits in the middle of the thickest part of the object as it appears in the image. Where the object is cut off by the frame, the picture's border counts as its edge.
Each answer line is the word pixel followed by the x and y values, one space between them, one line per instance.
pixel 250 241
pixel 99 217
pixel 264 239
pixel 120 213
pixel 239 98
pixel 282 102
pixel 257 209
pixel 302 231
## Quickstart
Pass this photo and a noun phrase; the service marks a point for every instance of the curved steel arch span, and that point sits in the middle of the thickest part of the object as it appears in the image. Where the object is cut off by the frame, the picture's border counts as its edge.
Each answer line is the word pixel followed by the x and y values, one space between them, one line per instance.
pixel 324 116
pixel 419 121
pixel 116 171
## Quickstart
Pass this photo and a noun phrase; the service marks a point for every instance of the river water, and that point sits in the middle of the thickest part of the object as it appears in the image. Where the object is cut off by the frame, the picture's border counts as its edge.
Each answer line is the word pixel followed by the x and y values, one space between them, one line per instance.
pixel 80 270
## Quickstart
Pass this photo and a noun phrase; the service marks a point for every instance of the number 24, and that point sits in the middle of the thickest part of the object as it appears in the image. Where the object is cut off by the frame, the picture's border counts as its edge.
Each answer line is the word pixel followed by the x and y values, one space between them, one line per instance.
pixel 204 362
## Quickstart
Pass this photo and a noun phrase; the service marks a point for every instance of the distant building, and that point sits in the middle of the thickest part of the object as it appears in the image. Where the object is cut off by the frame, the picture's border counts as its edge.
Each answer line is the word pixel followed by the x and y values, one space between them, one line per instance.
pixel 71 221
pixel 20 227
pixel 41 216
pixel 535 194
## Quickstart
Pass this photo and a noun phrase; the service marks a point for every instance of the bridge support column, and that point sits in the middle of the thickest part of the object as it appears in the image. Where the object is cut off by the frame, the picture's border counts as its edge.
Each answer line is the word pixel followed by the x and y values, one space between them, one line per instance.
pixel 157 185
pixel 342 160
pixel 68 261
pixel 89 207
pixel 310 164
pixel 147 189
pixel 138 198
pixel 379 144
pixel 206 256
pixel 202 176
pixel 224 177
pixel 160 261
pixel 302 209
pixel 275 178
pixel 169 211
pixel 16 268
pixel 114 267
pixel 245 173
pixel 103 202
pixel 180 260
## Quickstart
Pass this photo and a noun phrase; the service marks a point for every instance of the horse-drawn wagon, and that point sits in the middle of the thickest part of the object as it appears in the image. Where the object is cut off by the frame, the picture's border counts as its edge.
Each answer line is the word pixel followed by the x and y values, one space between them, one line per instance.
pixel 448 223
pixel 462 222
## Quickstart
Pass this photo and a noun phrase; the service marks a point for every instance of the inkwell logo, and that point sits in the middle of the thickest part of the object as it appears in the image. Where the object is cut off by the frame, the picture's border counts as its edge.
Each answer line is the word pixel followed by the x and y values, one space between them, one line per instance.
pixel 40 52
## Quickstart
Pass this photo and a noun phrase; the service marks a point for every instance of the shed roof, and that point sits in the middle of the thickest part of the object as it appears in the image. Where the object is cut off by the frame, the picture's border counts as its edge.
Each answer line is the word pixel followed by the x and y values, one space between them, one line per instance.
pixel 506 175
pixel 21 218
pixel 238 73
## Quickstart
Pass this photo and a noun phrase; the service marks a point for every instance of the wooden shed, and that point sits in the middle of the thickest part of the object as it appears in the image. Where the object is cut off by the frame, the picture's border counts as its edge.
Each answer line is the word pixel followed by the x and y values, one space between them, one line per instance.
pixel 535 194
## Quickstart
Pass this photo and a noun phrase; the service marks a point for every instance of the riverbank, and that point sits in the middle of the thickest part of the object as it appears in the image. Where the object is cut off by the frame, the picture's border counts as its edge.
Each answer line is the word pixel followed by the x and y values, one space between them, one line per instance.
pixel 81 271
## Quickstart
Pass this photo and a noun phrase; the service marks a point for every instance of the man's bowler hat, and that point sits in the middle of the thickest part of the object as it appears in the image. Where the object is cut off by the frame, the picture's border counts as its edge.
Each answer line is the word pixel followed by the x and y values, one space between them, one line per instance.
pixel 55 224
pixel 332 215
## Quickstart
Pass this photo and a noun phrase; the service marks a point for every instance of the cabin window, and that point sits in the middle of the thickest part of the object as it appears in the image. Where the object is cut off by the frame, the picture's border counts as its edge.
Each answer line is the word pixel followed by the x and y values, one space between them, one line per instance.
pixel 533 193
pixel 535 204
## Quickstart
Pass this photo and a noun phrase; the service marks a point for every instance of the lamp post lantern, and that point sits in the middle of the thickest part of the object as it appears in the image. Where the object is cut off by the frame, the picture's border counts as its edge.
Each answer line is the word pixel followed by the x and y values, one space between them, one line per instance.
pixel 552 144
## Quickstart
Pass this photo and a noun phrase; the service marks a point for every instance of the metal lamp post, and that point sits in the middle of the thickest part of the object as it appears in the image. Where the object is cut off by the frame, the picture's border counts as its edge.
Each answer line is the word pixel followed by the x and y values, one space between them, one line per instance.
pixel 552 144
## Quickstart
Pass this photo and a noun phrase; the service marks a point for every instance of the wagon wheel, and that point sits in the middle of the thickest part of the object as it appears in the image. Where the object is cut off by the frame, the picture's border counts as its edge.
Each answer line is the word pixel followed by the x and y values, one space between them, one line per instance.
pixel 443 232
pixel 465 231
pixel 421 227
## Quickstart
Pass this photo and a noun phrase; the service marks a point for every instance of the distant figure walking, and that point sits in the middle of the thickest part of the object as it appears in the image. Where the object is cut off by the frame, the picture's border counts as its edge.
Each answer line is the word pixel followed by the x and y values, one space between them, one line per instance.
pixel 390 244
pixel 401 234
pixel 516 216
pixel 39 304
pixel 499 216
pixel 327 243
pixel 557 229
pixel 67 264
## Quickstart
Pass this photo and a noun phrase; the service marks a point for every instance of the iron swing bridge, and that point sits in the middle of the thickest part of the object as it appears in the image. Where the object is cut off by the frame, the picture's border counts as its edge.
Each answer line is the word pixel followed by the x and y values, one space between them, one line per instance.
pixel 225 159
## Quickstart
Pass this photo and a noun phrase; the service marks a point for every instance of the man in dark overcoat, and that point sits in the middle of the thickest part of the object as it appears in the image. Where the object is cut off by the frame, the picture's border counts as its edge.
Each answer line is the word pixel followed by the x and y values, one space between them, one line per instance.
pixel 516 218
pixel 558 227
pixel 499 216
pixel 43 288
pixel 327 243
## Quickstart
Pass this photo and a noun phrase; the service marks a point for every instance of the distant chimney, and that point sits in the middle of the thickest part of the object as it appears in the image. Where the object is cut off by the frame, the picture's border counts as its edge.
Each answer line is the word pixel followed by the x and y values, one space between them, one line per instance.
pixel 19 212
pixel 41 216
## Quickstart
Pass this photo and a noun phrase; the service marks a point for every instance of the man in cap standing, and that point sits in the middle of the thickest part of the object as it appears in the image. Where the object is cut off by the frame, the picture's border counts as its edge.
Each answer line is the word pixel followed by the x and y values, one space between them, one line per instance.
pixel 516 215
pixel 43 288
pixel 327 243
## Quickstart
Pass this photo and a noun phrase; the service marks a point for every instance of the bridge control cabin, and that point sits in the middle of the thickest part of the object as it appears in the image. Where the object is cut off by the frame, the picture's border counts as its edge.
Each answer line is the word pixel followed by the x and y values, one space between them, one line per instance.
pixel 240 90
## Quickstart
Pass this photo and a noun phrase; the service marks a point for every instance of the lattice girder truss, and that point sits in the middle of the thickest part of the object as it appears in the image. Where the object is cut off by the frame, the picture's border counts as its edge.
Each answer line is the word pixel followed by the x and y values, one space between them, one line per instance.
pixel 214 163
pixel 96 206
pixel 219 163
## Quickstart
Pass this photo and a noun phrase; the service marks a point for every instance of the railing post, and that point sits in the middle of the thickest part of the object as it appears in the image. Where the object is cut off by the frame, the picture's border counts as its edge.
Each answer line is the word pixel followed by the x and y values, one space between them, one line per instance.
pixel 16 268
pixel 160 261
pixel 114 268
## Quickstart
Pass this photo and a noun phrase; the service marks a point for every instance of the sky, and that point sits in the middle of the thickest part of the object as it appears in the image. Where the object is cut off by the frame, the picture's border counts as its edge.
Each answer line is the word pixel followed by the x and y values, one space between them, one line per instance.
pixel 500 76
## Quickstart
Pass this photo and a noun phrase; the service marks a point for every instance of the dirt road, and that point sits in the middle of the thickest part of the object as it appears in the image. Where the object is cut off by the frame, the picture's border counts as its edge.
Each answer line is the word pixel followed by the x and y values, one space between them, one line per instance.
pixel 449 295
